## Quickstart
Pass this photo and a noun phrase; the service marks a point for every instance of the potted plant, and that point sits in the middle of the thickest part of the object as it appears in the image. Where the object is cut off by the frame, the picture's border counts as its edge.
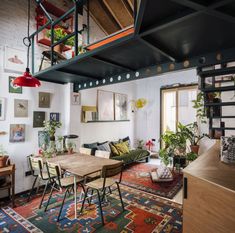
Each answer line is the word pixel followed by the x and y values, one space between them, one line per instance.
pixel 191 156
pixel 3 157
pixel 50 127
pixel 194 136
pixel 175 145
pixel 70 147
pixel 60 33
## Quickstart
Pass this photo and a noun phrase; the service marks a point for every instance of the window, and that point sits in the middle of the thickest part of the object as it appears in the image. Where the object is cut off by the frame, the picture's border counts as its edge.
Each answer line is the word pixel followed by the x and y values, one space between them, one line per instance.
pixel 177 107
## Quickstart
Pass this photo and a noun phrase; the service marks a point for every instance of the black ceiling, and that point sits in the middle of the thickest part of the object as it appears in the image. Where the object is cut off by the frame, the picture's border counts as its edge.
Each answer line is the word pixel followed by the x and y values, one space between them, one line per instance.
pixel 165 31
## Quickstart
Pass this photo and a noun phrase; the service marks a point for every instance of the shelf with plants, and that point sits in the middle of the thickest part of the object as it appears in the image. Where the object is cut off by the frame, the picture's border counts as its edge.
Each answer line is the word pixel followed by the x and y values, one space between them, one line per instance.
pixel 213 83
pixel 66 25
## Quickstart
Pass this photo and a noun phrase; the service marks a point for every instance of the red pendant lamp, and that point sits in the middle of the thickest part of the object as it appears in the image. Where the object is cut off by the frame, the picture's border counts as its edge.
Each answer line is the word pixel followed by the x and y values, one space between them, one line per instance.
pixel 27 80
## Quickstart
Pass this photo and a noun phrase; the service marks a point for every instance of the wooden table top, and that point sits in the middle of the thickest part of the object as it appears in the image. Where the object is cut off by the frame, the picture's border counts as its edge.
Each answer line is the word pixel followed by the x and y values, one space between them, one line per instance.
pixel 81 164
pixel 209 167
pixel 7 170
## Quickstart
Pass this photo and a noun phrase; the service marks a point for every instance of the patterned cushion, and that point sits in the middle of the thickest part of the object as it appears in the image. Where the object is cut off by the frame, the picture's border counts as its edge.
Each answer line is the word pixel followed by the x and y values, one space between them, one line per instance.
pixel 104 146
pixel 164 172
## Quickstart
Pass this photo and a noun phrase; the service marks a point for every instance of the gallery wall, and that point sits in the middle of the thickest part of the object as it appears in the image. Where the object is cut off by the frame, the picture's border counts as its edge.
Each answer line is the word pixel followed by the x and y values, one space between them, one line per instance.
pixel 13 27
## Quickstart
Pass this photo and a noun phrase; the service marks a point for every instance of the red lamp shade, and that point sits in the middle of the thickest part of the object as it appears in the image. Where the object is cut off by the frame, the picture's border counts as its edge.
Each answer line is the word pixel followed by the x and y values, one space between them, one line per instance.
pixel 27 80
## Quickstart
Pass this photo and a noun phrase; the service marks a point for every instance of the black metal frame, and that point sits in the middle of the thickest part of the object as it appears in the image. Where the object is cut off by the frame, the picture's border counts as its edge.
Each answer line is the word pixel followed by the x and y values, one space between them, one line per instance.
pixel 142 37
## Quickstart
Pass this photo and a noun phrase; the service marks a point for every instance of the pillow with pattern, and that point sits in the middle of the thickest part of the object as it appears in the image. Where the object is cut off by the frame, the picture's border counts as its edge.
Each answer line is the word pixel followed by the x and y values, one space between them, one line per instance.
pixel 164 172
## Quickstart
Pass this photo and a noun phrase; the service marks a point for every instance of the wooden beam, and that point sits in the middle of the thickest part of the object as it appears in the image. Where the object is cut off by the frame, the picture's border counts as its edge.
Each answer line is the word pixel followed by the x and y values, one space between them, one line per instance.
pixel 120 13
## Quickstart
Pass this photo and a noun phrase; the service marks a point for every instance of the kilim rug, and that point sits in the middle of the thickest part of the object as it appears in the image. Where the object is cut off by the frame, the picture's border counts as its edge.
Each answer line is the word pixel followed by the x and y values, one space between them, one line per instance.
pixel 138 176
pixel 12 222
pixel 144 212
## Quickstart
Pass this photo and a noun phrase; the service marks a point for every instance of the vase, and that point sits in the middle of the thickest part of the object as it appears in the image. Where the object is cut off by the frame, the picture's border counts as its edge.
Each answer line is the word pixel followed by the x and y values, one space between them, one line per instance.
pixel 195 148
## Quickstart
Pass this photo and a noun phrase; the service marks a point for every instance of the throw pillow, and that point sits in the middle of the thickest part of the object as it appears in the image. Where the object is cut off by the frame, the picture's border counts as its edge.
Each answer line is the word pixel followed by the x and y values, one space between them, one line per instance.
pixel 104 147
pixel 164 172
pixel 114 150
pixel 126 139
pixel 122 148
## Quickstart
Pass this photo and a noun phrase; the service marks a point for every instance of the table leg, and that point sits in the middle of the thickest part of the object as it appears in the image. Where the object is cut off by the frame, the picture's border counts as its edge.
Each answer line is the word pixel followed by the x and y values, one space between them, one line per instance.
pixel 75 197
pixel 81 193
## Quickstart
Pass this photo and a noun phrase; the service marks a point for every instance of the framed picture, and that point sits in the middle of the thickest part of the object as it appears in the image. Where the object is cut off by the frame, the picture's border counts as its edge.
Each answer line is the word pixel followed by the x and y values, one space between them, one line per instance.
pixel 75 98
pixel 17 132
pixel 38 118
pixel 55 116
pixel 43 139
pixel 13 88
pixel 15 60
pixel 2 108
pixel 120 106
pixel 20 108
pixel 44 100
pixel 105 105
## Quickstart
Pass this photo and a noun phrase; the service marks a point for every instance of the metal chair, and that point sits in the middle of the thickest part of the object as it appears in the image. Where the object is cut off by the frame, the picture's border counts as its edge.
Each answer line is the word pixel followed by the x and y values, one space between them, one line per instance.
pixel 60 182
pixel 36 165
pixel 102 184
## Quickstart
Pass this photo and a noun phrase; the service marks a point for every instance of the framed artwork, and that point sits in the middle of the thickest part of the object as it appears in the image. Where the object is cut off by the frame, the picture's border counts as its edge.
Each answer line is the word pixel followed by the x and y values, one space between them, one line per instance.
pixel 38 118
pixel 20 108
pixel 13 88
pixel 75 98
pixel 105 105
pixel 15 60
pixel 120 106
pixel 43 139
pixel 55 116
pixel 2 108
pixel 44 100
pixel 17 132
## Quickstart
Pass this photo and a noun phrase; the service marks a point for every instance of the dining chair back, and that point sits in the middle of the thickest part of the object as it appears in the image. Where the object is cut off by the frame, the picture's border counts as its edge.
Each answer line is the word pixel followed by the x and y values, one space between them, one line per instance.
pixel 86 151
pixel 54 172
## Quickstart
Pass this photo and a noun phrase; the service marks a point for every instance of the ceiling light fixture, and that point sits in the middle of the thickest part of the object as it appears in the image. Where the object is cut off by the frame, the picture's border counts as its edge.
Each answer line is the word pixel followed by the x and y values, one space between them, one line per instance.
pixel 27 80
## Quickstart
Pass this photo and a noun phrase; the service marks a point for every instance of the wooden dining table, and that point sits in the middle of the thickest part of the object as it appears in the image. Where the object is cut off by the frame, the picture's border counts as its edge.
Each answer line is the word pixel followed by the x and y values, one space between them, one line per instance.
pixel 81 165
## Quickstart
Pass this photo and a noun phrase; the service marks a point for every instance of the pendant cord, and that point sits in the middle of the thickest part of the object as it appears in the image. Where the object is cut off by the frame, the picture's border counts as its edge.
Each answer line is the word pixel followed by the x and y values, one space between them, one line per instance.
pixel 26 40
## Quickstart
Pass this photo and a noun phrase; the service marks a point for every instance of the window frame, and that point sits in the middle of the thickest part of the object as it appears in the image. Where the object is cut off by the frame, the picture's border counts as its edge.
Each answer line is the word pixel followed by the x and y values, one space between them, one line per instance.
pixel 170 89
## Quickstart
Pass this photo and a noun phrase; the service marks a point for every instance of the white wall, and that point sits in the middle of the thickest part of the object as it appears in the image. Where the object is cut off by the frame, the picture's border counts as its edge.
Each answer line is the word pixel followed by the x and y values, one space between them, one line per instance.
pixel 148 119
pixel 93 132
pixel 13 27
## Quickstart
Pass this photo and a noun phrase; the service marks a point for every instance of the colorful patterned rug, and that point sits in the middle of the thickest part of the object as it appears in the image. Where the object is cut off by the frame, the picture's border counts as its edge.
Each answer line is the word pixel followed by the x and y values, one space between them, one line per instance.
pixel 12 222
pixel 144 212
pixel 138 176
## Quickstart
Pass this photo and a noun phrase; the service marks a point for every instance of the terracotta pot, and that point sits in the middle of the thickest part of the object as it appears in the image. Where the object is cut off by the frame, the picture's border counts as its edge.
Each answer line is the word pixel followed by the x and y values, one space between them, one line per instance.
pixel 3 161
pixel 195 148
pixel 59 48
pixel 70 151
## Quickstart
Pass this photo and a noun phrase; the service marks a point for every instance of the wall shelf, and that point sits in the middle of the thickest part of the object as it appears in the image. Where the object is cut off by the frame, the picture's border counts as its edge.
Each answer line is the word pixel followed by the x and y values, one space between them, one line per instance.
pixel 220 104
pixel 106 121
pixel 217 72
pixel 218 89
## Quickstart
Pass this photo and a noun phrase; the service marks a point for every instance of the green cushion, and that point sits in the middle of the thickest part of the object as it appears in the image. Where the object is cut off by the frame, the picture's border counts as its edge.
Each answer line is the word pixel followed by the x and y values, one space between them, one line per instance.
pixel 134 155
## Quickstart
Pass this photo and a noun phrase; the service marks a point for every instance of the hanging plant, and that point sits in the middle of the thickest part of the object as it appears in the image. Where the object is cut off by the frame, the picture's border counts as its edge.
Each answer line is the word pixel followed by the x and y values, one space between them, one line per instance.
pixel 198 104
